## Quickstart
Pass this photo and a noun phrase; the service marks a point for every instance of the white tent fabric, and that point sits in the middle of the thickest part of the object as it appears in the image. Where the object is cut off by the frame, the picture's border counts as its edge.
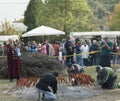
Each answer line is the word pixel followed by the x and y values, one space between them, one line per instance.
pixel 43 30
pixel 103 33
pixel 7 37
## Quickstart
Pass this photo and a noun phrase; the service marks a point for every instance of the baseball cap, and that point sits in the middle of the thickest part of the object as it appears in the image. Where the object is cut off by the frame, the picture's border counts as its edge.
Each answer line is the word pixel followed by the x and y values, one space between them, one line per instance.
pixel 98 68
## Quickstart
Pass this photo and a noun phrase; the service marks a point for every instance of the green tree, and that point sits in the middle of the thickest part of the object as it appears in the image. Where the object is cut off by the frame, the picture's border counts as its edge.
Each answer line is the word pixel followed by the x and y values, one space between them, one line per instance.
pixel 66 15
pixel 33 14
pixel 114 19
pixel 101 9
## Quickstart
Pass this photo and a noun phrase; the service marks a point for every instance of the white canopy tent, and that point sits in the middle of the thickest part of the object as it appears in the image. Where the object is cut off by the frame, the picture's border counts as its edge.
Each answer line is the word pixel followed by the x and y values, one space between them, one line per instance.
pixel 7 37
pixel 102 33
pixel 43 30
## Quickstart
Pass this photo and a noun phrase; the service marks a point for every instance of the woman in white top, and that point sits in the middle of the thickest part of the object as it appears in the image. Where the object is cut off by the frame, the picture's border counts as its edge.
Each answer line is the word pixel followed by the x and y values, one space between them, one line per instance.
pixel 85 53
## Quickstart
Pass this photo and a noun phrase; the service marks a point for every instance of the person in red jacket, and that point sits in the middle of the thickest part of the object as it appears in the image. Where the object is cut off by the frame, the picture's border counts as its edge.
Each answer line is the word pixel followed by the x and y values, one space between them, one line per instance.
pixel 13 61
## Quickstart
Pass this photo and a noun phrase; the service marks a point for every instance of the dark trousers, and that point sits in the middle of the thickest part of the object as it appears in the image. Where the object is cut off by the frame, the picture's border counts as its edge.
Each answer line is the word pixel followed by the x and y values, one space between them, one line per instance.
pixel 93 60
pixel 105 61
pixel 85 61
pixel 69 58
pixel 110 84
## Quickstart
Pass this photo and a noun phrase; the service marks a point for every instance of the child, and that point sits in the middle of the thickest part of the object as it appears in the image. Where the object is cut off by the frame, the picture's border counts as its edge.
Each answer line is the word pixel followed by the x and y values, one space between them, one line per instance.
pixel 61 55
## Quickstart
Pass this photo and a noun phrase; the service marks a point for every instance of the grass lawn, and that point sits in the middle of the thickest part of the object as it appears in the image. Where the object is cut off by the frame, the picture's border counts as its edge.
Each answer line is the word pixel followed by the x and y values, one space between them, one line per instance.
pixel 91 71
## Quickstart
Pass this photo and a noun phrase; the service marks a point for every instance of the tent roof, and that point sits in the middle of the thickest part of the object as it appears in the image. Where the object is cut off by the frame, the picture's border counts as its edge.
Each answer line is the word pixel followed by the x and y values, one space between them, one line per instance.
pixel 7 37
pixel 104 33
pixel 43 30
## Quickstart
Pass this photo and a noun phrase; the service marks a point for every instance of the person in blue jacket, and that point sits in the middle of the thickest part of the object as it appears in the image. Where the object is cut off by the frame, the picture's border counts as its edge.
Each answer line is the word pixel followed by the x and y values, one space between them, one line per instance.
pixel 48 85
pixel 106 77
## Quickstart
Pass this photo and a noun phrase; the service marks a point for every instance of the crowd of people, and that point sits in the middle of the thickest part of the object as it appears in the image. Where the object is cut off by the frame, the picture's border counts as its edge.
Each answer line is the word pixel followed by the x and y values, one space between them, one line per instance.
pixel 70 52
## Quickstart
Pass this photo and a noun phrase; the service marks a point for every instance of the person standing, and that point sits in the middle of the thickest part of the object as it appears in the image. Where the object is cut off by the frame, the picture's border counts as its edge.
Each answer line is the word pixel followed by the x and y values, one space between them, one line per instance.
pixel 115 52
pixel 13 61
pixel 49 48
pixel 1 50
pixel 79 59
pixel 56 47
pixel 106 49
pixel 33 47
pixel 94 56
pixel 69 51
pixel 85 53
pixel 43 49
pixel 61 55
pixel 48 85
pixel 4 48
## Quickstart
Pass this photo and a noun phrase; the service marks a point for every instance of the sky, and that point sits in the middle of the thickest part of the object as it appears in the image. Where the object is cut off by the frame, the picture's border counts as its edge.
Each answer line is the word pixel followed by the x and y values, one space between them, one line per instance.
pixel 12 9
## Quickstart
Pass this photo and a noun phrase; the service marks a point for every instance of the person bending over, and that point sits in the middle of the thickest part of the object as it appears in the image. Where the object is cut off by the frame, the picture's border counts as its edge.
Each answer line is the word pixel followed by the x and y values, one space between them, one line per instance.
pixel 48 85
pixel 106 77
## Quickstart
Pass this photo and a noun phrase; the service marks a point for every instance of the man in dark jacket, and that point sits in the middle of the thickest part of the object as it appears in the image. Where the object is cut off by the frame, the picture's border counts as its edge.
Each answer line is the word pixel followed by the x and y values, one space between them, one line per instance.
pixel 94 56
pixel 48 85
pixel 69 51
pixel 106 77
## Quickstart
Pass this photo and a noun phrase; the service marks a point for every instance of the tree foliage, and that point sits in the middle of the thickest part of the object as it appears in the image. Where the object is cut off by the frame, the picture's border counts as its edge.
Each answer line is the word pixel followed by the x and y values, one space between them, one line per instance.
pixel 66 15
pixel 33 14
pixel 101 9
pixel 69 15
pixel 114 22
